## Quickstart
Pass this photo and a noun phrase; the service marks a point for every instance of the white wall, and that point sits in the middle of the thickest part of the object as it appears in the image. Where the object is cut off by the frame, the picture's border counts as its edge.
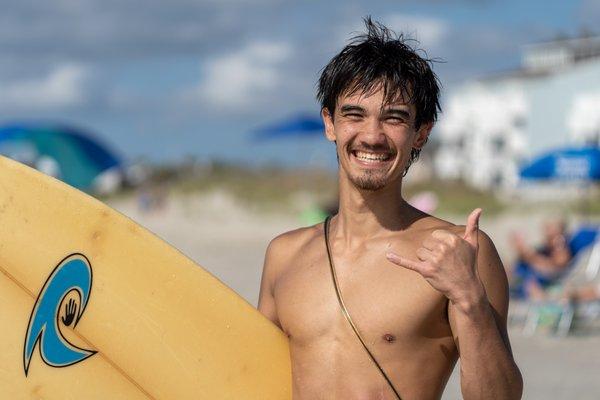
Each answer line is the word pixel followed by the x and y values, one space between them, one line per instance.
pixel 490 127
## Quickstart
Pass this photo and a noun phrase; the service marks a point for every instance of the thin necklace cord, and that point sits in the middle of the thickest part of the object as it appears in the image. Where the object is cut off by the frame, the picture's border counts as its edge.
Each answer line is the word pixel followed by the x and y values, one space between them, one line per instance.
pixel 345 310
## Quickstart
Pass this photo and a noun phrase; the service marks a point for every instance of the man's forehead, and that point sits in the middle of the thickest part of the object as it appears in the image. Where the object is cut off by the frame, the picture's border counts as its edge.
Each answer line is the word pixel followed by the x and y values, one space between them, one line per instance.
pixel 398 96
pixel 370 100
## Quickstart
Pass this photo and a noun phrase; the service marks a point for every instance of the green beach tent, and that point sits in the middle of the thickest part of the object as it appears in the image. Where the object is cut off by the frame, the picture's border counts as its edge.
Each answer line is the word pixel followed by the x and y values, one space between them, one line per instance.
pixel 69 154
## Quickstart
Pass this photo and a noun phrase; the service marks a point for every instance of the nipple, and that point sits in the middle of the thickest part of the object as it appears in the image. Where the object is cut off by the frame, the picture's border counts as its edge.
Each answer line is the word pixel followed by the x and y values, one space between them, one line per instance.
pixel 389 338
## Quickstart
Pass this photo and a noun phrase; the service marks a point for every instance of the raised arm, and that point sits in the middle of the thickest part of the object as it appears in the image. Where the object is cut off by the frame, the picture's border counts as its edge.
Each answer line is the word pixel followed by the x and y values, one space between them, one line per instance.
pixel 487 367
pixel 466 268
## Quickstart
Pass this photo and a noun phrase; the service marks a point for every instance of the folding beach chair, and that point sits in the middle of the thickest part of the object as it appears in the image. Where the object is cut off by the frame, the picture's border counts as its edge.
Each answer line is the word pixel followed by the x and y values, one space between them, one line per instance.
pixel 582 312
pixel 584 269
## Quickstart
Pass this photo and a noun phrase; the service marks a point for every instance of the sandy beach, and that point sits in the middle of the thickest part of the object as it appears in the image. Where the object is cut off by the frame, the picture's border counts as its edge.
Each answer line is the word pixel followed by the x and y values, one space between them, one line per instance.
pixel 230 242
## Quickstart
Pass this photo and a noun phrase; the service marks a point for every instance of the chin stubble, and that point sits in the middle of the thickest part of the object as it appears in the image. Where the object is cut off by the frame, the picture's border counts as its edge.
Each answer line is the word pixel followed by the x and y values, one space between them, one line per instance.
pixel 369 181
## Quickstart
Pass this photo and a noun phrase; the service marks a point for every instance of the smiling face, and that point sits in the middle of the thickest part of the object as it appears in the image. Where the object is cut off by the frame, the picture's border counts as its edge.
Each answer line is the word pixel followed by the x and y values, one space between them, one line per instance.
pixel 374 140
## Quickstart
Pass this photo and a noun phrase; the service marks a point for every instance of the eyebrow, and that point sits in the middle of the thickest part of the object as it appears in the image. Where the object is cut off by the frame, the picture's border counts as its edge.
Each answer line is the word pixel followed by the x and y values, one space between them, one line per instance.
pixel 352 107
pixel 397 111
pixel 401 112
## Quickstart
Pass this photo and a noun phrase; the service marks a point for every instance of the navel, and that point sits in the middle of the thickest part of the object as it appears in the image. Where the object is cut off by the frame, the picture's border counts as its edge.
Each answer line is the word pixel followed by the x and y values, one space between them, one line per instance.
pixel 388 337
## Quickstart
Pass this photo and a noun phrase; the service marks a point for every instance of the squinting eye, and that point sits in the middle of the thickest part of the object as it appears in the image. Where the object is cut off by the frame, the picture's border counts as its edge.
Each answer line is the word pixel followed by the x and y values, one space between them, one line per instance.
pixel 395 119
pixel 354 116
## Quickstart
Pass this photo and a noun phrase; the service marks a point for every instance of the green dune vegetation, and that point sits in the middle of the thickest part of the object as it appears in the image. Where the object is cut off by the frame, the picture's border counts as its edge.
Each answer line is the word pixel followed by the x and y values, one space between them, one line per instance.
pixel 275 188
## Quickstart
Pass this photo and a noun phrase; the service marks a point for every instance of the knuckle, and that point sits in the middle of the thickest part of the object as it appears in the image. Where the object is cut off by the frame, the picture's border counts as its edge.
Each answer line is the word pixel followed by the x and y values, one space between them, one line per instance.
pixel 438 233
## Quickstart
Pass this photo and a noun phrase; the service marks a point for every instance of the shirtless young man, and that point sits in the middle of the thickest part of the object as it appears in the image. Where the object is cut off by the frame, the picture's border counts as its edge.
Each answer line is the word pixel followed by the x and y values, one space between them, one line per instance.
pixel 421 290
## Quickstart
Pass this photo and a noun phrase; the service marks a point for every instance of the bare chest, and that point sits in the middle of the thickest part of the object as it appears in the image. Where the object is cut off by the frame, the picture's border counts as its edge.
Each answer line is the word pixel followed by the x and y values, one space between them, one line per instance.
pixel 388 303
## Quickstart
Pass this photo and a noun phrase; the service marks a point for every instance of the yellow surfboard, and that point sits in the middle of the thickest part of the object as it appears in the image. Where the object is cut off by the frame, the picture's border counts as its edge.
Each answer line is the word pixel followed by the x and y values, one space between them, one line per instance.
pixel 93 306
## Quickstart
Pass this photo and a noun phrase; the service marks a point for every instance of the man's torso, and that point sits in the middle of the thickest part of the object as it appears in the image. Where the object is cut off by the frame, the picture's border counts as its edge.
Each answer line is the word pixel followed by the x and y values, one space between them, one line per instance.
pixel 402 319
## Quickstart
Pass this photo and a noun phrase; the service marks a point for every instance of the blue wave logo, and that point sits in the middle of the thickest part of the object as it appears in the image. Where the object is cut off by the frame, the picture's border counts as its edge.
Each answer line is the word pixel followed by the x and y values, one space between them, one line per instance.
pixel 74 273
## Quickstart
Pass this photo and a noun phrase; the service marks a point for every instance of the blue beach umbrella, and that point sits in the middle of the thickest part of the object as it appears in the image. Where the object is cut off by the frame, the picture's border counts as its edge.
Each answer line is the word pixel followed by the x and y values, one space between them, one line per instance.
pixel 301 125
pixel 77 158
pixel 568 164
pixel 297 126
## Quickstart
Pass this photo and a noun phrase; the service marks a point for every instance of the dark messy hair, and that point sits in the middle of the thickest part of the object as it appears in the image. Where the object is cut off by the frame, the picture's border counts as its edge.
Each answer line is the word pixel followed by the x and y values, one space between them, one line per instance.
pixel 377 59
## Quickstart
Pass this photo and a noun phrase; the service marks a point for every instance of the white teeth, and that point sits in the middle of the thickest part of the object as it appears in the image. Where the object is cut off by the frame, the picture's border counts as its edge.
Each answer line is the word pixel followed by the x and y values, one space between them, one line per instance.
pixel 364 156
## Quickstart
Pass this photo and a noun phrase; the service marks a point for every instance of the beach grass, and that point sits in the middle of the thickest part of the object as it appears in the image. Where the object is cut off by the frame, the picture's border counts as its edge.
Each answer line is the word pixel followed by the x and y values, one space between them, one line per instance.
pixel 275 188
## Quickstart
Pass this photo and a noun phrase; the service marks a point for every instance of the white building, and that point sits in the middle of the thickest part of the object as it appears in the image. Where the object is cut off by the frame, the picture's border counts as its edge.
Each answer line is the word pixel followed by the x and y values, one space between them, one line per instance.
pixel 491 125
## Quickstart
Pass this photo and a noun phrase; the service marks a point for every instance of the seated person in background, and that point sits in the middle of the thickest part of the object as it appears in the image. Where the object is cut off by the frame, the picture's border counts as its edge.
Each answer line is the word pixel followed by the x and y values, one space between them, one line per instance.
pixel 538 268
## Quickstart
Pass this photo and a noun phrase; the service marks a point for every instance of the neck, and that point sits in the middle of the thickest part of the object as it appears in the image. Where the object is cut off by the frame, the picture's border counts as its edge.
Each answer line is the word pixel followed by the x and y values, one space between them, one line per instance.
pixel 365 214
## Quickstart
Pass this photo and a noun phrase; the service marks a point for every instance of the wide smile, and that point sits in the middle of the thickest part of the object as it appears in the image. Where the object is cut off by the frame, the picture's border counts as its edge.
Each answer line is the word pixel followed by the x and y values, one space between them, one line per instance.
pixel 371 159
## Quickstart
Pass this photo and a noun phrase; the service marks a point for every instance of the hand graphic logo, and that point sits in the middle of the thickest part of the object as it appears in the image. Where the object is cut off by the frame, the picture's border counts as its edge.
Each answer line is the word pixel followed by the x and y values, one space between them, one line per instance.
pixel 74 273
pixel 70 309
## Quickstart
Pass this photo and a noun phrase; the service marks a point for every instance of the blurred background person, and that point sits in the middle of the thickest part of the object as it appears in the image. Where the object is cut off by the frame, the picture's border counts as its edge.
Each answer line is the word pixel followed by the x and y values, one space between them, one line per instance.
pixel 539 267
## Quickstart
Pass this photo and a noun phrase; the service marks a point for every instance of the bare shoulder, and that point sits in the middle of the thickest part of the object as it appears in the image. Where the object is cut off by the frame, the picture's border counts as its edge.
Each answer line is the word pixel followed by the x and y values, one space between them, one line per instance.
pixel 491 270
pixel 281 253
pixel 288 246
pixel 427 224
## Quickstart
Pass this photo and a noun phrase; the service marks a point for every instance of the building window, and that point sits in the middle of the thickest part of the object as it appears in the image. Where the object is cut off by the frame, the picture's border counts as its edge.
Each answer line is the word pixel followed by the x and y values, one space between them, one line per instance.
pixel 498 144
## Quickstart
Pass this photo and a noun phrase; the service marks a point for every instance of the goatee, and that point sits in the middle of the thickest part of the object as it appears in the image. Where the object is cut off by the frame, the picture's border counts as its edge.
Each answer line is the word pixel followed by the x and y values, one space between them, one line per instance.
pixel 369 181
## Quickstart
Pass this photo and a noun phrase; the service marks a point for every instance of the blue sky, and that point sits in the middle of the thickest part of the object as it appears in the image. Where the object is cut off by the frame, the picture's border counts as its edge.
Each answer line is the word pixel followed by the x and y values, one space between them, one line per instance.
pixel 165 80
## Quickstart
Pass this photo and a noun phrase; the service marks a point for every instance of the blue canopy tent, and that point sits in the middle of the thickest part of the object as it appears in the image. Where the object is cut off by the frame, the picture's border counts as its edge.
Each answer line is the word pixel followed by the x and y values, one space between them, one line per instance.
pixel 79 158
pixel 295 126
pixel 565 165
pixel 569 164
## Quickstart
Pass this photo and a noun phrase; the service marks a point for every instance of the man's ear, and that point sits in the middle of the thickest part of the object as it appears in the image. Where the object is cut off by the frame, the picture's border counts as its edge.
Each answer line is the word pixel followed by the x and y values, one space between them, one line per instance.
pixel 422 135
pixel 328 122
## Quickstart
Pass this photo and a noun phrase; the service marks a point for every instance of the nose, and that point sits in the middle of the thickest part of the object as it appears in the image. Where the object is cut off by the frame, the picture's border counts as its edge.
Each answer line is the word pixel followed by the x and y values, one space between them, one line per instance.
pixel 372 135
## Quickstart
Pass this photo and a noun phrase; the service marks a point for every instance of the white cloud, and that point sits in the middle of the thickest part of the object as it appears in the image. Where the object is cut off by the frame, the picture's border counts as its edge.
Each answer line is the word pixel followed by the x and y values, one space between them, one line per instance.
pixel 242 77
pixel 430 32
pixel 61 87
